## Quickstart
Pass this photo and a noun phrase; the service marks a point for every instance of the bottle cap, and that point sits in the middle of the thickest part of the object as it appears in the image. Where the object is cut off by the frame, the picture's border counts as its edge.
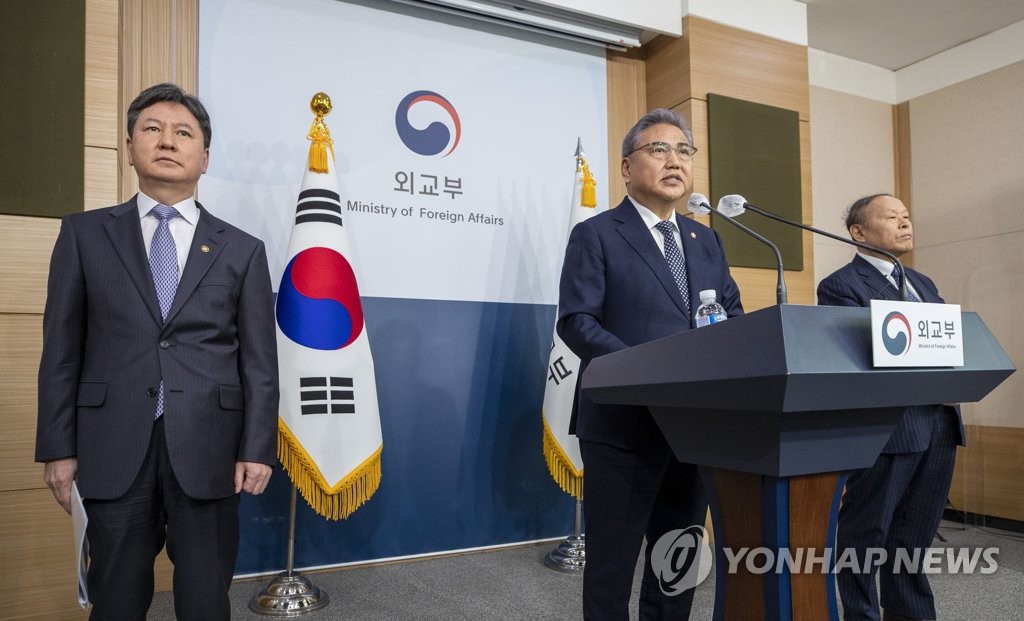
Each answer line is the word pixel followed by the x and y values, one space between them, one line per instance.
pixel 707 295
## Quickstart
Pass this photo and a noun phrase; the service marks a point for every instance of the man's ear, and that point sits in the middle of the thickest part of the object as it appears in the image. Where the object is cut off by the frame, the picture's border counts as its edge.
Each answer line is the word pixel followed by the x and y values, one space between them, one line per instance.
pixel 625 169
pixel 856 232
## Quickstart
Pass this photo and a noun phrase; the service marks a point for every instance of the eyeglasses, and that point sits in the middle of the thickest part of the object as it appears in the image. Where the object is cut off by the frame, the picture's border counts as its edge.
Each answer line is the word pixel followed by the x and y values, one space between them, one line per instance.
pixel 660 150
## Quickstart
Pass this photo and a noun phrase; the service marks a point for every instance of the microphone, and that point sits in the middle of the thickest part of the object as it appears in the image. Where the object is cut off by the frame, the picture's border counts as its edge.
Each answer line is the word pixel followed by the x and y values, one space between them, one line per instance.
pixel 698 204
pixel 734 205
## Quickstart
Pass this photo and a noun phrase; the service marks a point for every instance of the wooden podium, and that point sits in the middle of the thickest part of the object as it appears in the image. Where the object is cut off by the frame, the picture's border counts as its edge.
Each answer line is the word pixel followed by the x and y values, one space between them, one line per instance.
pixel 775 406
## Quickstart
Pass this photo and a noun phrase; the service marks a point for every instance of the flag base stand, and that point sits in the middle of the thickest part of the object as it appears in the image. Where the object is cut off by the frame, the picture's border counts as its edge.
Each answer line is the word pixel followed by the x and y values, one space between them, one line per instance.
pixel 290 594
pixel 570 557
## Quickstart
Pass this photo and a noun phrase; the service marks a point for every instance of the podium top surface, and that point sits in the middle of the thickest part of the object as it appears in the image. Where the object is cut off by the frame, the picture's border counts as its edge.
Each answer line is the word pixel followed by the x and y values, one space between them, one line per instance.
pixel 789 358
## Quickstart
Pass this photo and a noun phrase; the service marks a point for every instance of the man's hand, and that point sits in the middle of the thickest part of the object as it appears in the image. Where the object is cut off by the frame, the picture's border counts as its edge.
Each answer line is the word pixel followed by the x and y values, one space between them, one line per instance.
pixel 58 475
pixel 251 477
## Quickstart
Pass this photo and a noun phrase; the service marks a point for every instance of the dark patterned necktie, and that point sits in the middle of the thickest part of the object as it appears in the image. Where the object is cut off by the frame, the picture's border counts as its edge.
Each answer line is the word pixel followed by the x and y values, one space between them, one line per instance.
pixel 163 265
pixel 676 260
pixel 911 297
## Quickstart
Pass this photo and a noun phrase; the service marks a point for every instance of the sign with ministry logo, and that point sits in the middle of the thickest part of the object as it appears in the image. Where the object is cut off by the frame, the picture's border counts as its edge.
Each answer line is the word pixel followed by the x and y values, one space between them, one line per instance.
pixel 450 143
pixel 916 334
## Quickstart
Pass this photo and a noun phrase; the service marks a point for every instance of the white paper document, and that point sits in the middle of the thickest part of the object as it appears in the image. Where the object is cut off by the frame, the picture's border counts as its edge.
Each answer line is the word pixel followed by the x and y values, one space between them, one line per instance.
pixel 79 521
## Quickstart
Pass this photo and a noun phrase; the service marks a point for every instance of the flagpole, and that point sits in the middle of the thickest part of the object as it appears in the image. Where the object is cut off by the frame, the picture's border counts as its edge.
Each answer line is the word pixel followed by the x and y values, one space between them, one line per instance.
pixel 570 556
pixel 290 594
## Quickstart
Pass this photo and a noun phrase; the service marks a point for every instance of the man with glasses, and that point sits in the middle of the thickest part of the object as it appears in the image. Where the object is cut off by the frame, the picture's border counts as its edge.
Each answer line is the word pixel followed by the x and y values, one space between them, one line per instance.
pixel 632 275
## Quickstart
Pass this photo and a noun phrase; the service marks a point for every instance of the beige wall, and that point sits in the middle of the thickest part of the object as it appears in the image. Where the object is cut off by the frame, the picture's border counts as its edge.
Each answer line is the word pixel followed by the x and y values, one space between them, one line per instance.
pixel 967 149
pixel 852 147
pixel 967 154
pixel 963 162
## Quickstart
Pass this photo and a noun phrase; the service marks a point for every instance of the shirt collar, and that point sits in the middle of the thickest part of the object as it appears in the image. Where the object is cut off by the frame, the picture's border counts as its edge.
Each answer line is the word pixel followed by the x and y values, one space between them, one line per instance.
pixel 186 208
pixel 884 266
pixel 650 218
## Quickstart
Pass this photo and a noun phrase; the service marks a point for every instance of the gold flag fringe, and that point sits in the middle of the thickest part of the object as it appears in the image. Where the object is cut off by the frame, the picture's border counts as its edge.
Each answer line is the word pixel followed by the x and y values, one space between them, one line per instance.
pixel 560 466
pixel 588 197
pixel 333 502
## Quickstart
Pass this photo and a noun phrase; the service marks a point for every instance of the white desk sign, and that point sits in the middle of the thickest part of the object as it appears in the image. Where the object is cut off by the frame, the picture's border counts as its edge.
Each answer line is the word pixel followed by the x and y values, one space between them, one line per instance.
pixel 916 334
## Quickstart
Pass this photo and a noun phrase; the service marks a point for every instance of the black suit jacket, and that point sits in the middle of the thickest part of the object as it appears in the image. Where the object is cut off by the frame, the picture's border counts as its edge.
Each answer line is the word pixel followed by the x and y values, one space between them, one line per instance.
pixel 106 349
pixel 856 284
pixel 617 291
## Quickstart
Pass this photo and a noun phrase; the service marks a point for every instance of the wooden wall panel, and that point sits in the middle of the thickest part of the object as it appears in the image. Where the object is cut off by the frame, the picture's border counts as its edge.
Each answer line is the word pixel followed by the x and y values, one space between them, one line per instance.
pixel 38 557
pixel 102 122
pixel 669 82
pixel 902 173
pixel 186 45
pixel 159 43
pixel 740 64
pixel 101 175
pixel 712 58
pixel 22 337
pixel 25 246
pixel 627 102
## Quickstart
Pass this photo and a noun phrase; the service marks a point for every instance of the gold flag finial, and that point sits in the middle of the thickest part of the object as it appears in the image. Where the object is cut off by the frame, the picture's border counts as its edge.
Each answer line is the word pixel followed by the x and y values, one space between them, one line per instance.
pixel 319 134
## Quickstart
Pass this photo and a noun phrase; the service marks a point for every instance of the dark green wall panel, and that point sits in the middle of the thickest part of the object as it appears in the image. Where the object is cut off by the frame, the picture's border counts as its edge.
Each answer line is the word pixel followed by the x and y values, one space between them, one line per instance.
pixel 42 124
pixel 754 151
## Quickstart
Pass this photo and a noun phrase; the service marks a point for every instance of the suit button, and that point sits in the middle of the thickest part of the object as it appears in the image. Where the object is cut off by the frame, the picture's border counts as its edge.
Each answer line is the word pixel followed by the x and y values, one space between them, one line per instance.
pixel 152 392
pixel 164 345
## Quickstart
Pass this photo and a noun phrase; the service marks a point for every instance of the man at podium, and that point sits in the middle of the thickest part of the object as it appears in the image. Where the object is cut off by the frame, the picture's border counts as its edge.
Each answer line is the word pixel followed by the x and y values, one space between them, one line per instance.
pixel 899 501
pixel 632 275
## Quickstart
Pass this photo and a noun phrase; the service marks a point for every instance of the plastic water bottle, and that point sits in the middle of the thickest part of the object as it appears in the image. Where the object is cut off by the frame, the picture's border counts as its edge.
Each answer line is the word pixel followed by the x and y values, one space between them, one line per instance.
pixel 709 311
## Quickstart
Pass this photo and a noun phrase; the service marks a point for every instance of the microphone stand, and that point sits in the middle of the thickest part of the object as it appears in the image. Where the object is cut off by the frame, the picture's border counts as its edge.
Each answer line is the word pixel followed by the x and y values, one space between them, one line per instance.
pixel 904 295
pixel 780 288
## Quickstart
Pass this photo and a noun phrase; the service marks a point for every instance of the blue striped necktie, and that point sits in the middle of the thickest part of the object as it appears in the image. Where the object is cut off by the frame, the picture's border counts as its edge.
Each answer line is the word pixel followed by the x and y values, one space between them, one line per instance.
pixel 911 297
pixel 163 265
pixel 676 260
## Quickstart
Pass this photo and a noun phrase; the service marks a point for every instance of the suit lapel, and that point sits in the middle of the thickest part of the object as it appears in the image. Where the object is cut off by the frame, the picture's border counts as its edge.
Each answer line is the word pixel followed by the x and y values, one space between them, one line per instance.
pixel 635 232
pixel 207 244
pixel 923 292
pixel 125 234
pixel 878 286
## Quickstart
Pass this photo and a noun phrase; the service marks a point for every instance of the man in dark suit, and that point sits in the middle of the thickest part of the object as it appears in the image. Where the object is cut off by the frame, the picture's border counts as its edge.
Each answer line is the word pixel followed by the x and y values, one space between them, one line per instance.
pixel 898 502
pixel 158 385
pixel 631 275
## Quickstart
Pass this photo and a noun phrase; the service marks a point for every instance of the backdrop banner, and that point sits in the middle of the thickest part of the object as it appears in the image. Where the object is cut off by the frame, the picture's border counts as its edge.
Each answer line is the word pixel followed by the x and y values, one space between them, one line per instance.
pixel 449 144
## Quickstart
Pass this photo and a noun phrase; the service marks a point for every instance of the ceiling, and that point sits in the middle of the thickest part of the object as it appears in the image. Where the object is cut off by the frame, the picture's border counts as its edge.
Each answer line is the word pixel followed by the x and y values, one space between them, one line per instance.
pixel 897 33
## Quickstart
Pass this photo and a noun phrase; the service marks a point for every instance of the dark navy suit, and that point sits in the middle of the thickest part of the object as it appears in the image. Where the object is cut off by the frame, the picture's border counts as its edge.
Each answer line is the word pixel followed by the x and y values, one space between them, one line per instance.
pixel 617 291
pixel 898 502
pixel 106 350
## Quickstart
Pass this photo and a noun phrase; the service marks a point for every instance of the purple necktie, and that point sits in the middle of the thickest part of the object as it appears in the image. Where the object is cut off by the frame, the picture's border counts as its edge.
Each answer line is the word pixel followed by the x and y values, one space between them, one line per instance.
pixel 163 264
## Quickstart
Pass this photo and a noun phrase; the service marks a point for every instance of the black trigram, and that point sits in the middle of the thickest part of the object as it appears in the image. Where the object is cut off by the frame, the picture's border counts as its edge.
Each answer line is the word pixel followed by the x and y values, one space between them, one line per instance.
pixel 326 395
pixel 318 205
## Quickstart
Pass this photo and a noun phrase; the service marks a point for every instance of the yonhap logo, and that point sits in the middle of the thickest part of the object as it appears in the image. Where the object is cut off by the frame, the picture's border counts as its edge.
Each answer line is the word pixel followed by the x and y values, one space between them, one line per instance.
pixel 896 333
pixel 681 559
pixel 435 137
